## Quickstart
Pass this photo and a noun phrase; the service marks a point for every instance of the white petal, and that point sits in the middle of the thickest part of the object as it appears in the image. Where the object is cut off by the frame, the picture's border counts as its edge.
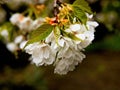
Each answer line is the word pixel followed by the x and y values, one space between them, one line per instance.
pixel 61 42
pixel 46 53
pixel 92 23
pixel 22 44
pixel 68 30
pixel 37 61
pixel 50 38
pixel 75 27
pixel 81 36
pixel 85 43
pixel 89 16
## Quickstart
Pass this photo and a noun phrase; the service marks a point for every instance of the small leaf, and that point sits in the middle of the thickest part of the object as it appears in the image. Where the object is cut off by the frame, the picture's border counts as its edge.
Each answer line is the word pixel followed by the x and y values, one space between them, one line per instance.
pixel 40 34
pixel 83 5
pixel 80 14
pixel 71 35
pixel 57 33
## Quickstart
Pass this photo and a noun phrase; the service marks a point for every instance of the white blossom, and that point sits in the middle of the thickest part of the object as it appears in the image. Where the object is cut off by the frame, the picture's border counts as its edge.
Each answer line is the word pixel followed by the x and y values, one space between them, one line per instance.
pixel 25 24
pixel 16 18
pixel 41 53
pixel 68 57
pixel 84 33
pixel 67 50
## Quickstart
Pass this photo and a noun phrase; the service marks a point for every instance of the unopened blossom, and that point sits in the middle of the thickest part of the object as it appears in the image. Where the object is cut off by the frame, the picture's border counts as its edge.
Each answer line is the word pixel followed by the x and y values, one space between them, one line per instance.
pixel 4 33
pixel 18 39
pixel 12 47
pixel 41 53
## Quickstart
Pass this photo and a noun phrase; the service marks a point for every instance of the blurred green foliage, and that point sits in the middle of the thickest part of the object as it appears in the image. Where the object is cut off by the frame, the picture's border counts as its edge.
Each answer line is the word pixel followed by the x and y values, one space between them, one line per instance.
pixel 109 14
pixel 107 34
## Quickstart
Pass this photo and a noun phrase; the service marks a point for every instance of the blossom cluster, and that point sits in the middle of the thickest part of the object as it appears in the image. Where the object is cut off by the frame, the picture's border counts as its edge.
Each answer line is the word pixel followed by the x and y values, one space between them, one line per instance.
pixel 60 40
pixel 65 54
pixel 25 25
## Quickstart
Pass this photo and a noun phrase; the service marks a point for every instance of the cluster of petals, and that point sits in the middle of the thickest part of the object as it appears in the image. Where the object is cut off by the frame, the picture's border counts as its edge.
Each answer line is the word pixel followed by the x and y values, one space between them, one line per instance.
pixel 25 23
pixel 66 53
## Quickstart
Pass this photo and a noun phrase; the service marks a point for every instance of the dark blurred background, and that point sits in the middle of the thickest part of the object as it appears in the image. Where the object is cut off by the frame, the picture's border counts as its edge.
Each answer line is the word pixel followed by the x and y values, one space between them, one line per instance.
pixel 99 71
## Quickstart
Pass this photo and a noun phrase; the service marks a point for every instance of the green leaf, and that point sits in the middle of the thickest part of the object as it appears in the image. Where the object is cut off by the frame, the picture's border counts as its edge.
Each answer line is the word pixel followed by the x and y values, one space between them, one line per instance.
pixel 83 5
pixel 71 35
pixel 40 34
pixel 80 14
pixel 57 33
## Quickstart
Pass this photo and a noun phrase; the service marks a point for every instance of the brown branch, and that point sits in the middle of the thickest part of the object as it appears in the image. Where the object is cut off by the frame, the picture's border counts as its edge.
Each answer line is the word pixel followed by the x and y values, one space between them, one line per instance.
pixel 57 4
